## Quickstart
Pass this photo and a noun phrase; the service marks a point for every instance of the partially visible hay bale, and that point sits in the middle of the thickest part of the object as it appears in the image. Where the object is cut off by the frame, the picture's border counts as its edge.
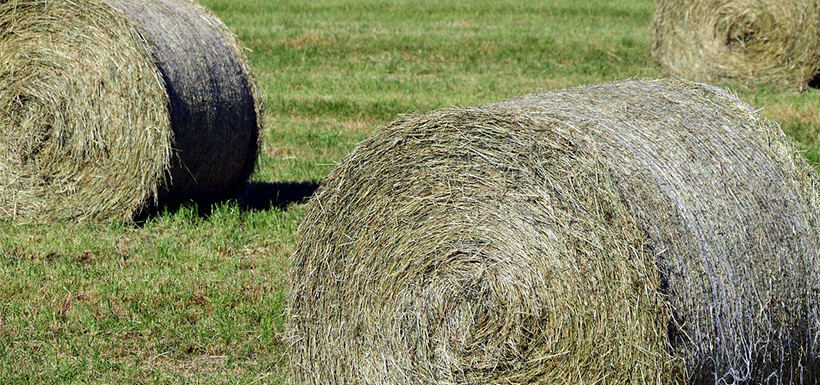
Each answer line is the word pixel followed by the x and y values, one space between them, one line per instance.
pixel 654 231
pixel 747 42
pixel 109 107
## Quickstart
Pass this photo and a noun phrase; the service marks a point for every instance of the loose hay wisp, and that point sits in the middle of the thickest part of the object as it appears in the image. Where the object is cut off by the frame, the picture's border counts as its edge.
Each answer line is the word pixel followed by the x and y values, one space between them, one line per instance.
pixel 654 231
pixel 746 42
pixel 110 107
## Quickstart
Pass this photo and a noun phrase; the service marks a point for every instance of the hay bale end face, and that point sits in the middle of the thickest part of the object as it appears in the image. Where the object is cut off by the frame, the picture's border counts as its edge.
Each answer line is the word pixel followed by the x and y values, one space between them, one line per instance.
pixel 653 231
pixel 744 42
pixel 108 108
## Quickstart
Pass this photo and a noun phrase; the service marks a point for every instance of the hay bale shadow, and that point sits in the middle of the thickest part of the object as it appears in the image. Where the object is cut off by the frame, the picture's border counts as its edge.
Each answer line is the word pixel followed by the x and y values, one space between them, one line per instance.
pixel 263 196
pixel 255 196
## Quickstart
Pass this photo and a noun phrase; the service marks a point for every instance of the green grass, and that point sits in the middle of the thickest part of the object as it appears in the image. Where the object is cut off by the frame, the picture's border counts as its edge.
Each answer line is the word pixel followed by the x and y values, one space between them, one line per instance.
pixel 197 299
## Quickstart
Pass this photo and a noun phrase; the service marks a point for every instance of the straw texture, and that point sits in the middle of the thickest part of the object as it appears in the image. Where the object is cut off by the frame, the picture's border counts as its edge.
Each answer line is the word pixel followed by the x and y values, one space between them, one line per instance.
pixel 108 108
pixel 745 42
pixel 653 231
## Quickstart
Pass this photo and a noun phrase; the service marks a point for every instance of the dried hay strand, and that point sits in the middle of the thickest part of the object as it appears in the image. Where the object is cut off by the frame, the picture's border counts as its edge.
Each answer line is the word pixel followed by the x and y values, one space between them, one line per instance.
pixel 744 42
pixel 108 108
pixel 647 231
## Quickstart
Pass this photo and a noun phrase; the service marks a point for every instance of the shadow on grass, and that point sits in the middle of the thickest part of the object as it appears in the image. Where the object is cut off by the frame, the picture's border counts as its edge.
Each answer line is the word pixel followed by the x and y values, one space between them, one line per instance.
pixel 254 196
pixel 260 196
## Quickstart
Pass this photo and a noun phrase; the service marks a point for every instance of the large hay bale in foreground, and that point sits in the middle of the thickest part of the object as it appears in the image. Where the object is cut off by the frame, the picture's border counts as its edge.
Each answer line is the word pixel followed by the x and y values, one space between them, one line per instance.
pixel 654 231
pixel 747 42
pixel 111 106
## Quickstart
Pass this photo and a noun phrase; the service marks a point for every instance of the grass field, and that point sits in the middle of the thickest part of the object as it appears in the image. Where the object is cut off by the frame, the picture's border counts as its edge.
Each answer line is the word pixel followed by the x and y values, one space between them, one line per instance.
pixel 199 299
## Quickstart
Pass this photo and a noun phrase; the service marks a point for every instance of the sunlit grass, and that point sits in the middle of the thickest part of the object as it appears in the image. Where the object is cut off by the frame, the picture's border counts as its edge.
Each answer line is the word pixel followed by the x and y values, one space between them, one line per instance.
pixel 197 296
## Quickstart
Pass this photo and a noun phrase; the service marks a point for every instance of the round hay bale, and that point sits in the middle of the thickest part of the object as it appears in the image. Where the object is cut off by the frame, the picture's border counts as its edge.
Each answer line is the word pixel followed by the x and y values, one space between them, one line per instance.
pixel 110 107
pixel 655 231
pixel 745 42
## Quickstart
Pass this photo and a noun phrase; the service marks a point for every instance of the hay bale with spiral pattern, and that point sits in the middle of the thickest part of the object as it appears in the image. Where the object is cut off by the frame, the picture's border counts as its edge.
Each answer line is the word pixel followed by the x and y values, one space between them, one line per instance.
pixel 650 231
pixel 111 107
pixel 744 42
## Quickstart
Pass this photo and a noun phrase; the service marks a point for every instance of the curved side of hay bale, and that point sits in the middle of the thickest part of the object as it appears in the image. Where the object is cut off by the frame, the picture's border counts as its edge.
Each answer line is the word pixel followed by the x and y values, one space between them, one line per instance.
pixel 746 42
pixel 214 101
pixel 103 112
pixel 628 233
pixel 727 204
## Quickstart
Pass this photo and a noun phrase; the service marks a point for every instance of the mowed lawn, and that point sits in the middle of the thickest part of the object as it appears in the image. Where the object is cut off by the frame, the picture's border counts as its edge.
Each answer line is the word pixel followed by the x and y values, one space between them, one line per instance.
pixel 198 296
